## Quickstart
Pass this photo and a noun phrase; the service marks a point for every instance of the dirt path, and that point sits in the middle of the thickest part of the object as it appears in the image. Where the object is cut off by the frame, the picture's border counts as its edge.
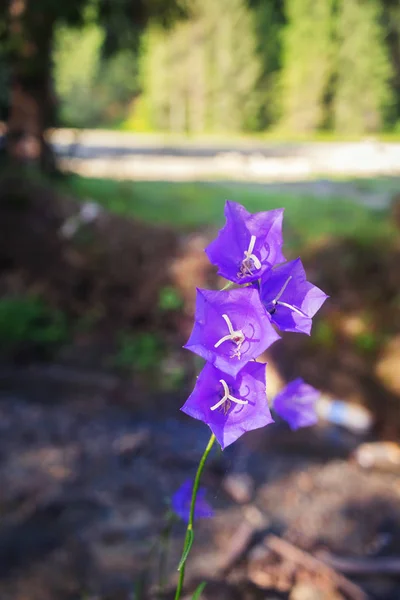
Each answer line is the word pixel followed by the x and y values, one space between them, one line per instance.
pixel 128 156
pixel 85 485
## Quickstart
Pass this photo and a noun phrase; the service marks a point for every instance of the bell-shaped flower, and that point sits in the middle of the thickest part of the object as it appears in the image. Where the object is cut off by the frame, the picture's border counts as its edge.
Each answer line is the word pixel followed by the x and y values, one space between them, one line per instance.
pixel 181 501
pixel 289 298
pixel 229 405
pixel 248 245
pixel 296 404
pixel 231 328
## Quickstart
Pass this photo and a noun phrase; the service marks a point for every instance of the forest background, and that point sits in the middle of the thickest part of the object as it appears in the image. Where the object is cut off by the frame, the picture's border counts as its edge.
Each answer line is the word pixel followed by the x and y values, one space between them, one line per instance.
pixel 286 67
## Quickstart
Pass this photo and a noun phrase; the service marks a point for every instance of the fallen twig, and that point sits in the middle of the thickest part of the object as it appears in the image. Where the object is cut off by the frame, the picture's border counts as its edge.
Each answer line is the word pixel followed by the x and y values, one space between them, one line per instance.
pixel 253 522
pixel 363 566
pixel 301 557
pixel 237 546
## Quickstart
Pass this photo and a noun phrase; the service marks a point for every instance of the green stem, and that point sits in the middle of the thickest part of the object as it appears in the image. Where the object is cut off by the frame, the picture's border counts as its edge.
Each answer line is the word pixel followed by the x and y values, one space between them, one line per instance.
pixel 189 529
pixel 227 286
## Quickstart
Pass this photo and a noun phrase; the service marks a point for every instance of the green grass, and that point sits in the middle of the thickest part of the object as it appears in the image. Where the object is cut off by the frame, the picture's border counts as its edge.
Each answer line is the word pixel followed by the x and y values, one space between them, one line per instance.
pixel 197 205
pixel 27 319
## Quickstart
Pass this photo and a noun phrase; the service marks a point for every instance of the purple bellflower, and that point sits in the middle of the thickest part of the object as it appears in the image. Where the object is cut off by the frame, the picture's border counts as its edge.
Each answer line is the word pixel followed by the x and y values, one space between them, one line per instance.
pixel 296 404
pixel 248 245
pixel 231 328
pixel 181 500
pixel 229 405
pixel 289 298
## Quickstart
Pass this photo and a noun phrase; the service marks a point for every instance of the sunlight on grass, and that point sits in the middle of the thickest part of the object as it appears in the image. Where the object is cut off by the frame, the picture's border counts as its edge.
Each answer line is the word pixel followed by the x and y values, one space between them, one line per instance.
pixel 198 205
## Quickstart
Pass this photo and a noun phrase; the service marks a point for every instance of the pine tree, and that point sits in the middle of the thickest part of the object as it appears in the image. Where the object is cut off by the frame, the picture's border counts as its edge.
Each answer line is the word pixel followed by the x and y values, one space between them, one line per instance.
pixel 27 32
pixel 307 62
pixel 154 77
pixel 76 58
pixel 363 91
pixel 391 23
pixel 269 21
pixel 204 72
pixel 235 65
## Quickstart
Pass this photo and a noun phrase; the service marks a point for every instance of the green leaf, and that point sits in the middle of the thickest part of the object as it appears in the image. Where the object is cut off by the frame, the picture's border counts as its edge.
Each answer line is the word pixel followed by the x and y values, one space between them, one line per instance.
pixel 186 549
pixel 198 591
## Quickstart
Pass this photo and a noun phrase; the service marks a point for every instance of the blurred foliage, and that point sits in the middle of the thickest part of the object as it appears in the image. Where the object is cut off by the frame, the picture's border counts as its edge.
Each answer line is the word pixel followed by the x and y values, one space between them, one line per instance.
pixel 4 93
pixel 323 334
pixel 28 32
pixel 76 66
pixel 197 76
pixel 169 299
pixel 367 342
pixel 269 18
pixel 138 352
pixel 29 321
pixel 147 354
pixel 122 20
pixel 138 116
pixel 363 93
pixel 92 89
pixel 308 52
pixel 301 66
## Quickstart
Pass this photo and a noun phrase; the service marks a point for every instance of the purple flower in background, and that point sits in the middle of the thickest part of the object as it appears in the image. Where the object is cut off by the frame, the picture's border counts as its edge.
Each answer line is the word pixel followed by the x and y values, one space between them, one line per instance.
pixel 248 244
pixel 181 500
pixel 230 406
pixel 289 298
pixel 296 404
pixel 231 328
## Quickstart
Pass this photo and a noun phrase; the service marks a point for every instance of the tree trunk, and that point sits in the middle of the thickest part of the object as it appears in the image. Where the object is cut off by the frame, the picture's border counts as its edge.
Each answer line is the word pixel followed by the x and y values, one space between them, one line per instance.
pixel 31 98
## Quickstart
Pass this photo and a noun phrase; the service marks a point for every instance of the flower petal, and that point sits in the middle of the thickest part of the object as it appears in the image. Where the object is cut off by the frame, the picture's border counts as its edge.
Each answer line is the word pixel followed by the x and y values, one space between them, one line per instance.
pixel 289 298
pixel 296 404
pixel 248 318
pixel 231 420
pixel 260 232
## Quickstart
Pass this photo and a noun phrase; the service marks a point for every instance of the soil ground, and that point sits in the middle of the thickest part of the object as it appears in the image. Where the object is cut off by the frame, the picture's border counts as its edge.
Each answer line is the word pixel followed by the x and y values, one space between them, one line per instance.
pixel 85 484
pixel 89 458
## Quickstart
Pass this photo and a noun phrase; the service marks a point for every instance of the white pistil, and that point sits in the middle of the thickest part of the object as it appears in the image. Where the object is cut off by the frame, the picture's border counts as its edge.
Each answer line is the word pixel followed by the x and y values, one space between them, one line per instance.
pixel 283 288
pixel 276 301
pixel 249 253
pixel 227 397
pixel 234 336
pixel 297 310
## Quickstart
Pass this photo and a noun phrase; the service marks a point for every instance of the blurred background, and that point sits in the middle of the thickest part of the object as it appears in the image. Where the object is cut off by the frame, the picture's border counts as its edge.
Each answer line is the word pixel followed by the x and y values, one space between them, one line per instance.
pixel 125 125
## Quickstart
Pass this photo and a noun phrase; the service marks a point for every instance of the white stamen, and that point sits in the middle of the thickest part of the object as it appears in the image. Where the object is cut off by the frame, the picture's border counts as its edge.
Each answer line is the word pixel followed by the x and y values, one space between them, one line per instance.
pixel 252 244
pixel 228 322
pixel 297 310
pixel 249 253
pixel 276 300
pixel 234 336
pixel 227 397
pixel 283 288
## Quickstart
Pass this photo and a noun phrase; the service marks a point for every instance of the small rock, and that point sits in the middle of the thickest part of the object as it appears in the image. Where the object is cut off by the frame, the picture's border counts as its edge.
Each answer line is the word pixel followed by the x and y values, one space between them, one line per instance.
pixel 384 456
pixel 129 444
pixel 311 591
pixel 387 368
pixel 239 486
pixel 353 417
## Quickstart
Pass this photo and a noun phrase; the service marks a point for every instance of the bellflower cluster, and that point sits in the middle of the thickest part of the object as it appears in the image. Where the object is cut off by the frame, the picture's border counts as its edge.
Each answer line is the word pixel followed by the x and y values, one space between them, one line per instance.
pixel 234 327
